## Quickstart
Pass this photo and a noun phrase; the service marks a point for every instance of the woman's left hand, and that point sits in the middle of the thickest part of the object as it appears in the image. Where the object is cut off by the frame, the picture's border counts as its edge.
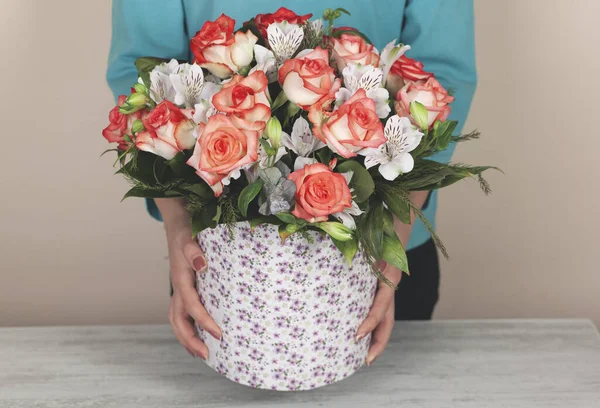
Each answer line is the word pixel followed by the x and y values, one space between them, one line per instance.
pixel 380 320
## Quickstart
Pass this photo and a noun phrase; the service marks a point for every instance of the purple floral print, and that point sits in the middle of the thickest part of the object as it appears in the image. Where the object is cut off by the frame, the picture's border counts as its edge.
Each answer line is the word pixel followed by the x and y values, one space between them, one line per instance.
pixel 289 313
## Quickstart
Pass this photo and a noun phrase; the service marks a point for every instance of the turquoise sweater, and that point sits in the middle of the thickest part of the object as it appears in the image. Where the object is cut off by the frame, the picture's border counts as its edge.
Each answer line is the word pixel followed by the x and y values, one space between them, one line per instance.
pixel 439 31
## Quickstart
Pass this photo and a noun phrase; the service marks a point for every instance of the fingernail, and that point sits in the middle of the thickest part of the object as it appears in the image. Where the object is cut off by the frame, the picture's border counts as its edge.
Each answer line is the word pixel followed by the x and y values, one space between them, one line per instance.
pixel 215 334
pixel 360 336
pixel 199 263
pixel 203 356
pixel 369 360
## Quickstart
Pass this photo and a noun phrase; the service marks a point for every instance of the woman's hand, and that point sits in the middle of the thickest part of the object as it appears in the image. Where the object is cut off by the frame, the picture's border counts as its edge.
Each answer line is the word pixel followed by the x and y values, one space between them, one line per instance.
pixel 185 258
pixel 380 320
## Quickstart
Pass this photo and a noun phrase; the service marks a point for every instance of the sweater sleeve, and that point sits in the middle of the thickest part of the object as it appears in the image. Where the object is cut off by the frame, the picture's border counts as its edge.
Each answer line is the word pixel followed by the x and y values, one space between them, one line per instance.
pixel 441 34
pixel 144 28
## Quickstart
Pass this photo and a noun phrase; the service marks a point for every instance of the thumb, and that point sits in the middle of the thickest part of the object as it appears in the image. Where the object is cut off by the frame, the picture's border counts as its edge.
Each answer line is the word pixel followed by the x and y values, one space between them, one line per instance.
pixel 194 256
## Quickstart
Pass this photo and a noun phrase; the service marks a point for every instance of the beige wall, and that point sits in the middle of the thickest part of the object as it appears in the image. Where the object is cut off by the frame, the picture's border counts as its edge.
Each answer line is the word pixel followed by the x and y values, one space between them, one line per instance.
pixel 72 254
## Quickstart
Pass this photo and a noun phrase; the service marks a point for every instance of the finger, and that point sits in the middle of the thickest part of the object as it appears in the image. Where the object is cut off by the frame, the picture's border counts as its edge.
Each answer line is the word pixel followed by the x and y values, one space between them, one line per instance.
pixel 185 332
pixel 194 256
pixel 194 308
pixel 176 331
pixel 381 303
pixel 381 336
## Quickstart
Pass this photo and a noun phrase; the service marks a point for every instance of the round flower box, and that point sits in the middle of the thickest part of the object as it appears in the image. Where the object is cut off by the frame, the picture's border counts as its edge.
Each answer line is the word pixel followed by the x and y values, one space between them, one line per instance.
pixel 288 312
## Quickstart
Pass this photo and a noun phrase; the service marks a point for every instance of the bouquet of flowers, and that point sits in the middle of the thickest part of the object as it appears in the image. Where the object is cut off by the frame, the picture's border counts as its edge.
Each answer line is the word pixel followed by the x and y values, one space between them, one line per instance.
pixel 290 122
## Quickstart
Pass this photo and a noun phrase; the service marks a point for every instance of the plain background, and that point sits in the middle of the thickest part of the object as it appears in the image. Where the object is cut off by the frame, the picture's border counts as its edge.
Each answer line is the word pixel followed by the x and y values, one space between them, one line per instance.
pixel 71 253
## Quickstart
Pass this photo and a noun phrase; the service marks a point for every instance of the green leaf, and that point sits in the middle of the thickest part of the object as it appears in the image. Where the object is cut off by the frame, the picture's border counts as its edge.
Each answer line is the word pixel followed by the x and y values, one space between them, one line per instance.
pixel 431 175
pixel 268 149
pixel 286 217
pixel 371 229
pixel 144 168
pixel 347 248
pixel 248 194
pixel 439 128
pixel 343 10
pixel 255 222
pixel 205 218
pixel 324 156
pixel 362 182
pixel 284 233
pixel 398 206
pixel 419 114
pixel 145 65
pixel 178 164
pixel 201 189
pixel 146 193
pixel 291 228
pixel 388 223
pixel 291 111
pixel 442 132
pixel 279 101
pixel 394 254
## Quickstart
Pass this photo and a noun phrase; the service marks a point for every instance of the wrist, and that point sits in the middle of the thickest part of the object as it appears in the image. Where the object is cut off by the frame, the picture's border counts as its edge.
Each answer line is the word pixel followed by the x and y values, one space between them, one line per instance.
pixel 175 217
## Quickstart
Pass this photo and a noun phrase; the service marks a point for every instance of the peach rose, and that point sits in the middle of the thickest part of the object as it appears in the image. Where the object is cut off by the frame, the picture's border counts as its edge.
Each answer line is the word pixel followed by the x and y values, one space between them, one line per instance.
pixel 352 127
pixel 120 124
pixel 219 50
pixel 222 150
pixel 405 70
pixel 350 48
pixel 168 131
pixel 319 192
pixel 430 94
pixel 246 100
pixel 309 79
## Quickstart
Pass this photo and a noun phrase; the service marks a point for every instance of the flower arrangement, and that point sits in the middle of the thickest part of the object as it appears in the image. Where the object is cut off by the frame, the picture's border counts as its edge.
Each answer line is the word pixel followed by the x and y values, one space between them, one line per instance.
pixel 293 122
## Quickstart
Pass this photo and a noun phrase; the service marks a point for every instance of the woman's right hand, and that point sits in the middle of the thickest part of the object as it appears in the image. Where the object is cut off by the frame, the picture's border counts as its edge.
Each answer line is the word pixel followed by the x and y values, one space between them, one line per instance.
pixel 185 258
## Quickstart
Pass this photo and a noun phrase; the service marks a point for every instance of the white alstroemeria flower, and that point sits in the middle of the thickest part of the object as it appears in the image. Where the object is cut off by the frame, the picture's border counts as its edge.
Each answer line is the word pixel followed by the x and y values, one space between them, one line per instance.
pixel 190 86
pixel 301 141
pixel 235 174
pixel 266 62
pixel 284 39
pixel 317 27
pixel 347 216
pixel 394 156
pixel 265 161
pixel 303 161
pixel 369 78
pixel 161 87
pixel 390 54
pixel 203 111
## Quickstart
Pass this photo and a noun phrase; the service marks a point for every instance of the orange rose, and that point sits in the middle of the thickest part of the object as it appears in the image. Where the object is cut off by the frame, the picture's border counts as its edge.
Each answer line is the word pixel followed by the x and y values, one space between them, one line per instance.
pixel 246 99
pixel 405 70
pixel 350 48
pixel 219 50
pixel 319 192
pixel 222 150
pixel 120 124
pixel 168 131
pixel 430 94
pixel 263 21
pixel 309 79
pixel 352 127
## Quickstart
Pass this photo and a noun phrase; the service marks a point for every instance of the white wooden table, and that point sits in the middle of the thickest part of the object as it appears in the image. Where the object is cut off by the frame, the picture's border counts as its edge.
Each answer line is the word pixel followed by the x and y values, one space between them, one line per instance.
pixel 502 363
